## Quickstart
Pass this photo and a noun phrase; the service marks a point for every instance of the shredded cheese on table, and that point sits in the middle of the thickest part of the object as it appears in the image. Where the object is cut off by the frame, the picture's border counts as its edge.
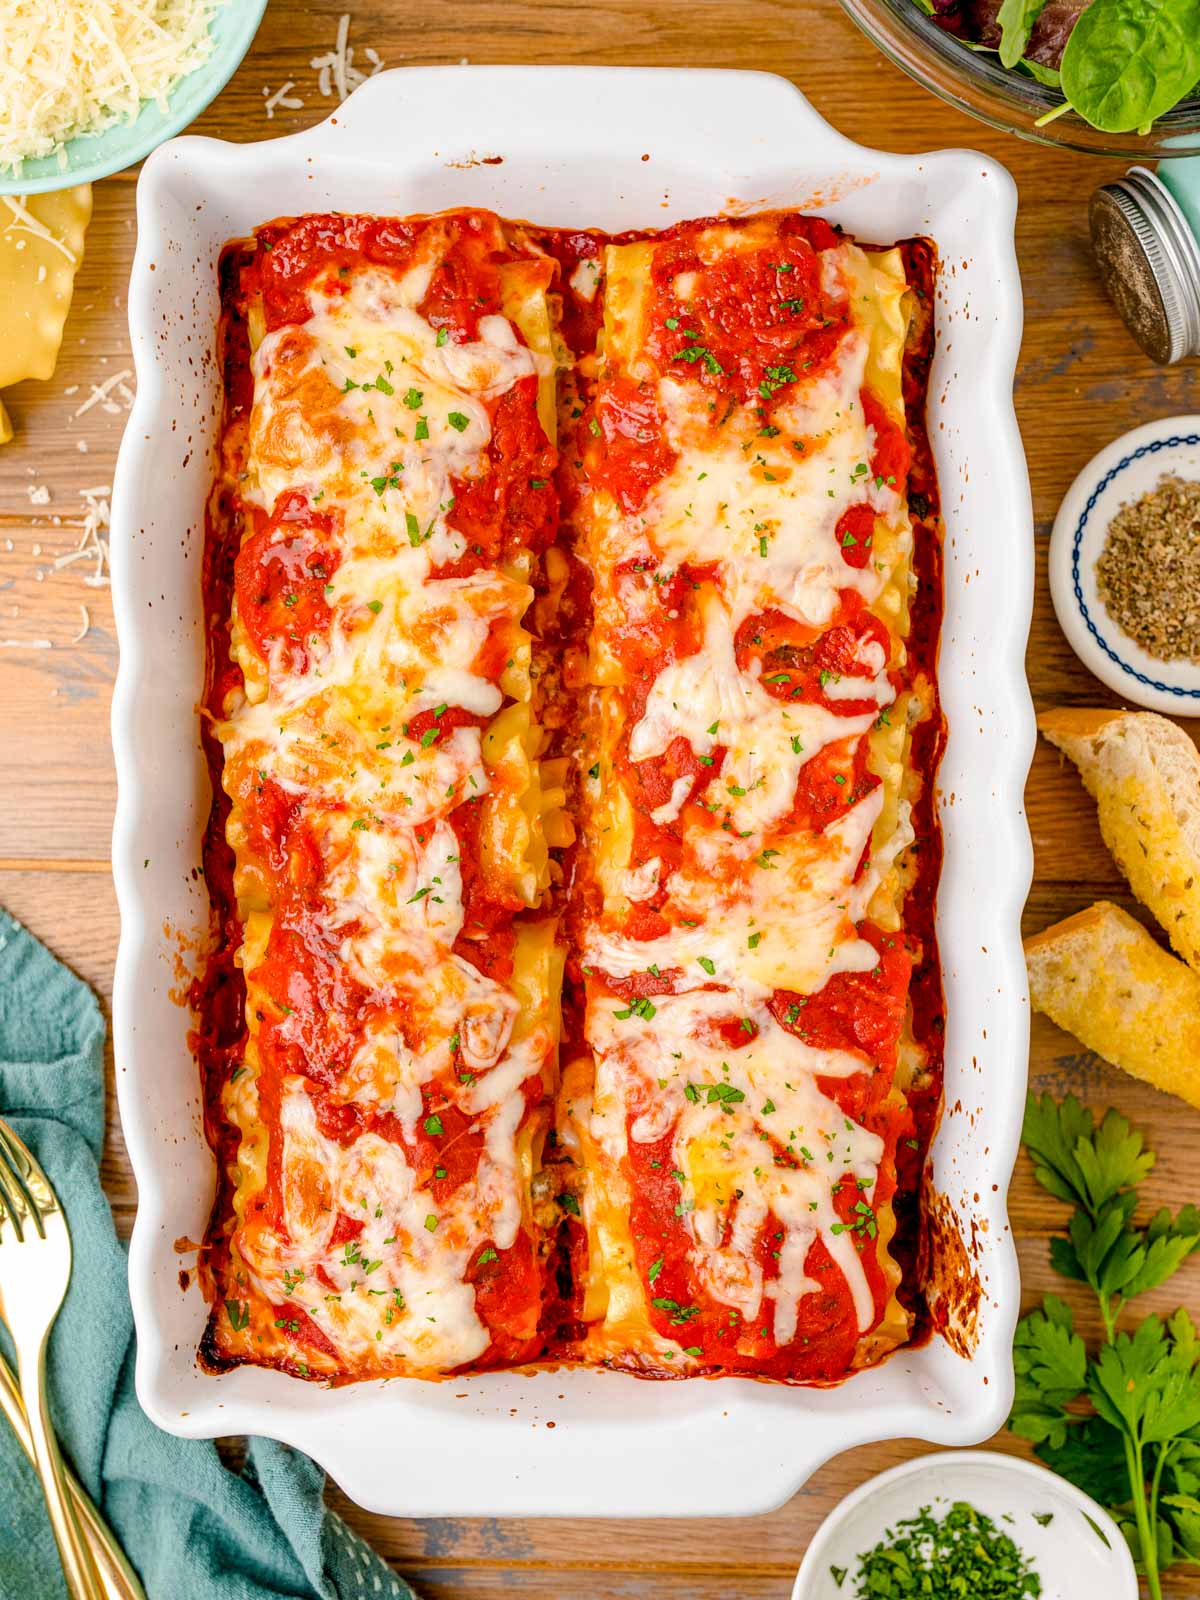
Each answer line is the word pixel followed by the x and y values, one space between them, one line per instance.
pixel 93 540
pixel 281 99
pixel 336 72
pixel 69 67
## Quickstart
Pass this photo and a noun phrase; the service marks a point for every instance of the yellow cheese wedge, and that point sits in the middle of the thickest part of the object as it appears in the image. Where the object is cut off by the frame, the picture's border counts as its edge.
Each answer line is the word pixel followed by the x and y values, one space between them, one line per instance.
pixel 41 247
pixel 1102 977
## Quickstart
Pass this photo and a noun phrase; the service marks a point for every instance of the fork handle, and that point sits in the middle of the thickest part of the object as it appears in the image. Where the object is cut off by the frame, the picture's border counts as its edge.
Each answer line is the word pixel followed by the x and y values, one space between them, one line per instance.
pixel 118 1578
pixel 78 1569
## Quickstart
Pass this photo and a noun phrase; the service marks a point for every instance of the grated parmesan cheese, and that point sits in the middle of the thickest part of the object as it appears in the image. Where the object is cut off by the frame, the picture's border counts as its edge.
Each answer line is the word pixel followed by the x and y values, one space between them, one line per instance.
pixel 336 72
pixel 80 66
pixel 93 541
pixel 283 99
pixel 102 393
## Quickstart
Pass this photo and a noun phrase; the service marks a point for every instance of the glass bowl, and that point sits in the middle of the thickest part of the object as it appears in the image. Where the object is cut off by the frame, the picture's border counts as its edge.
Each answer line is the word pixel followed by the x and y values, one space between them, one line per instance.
pixel 975 82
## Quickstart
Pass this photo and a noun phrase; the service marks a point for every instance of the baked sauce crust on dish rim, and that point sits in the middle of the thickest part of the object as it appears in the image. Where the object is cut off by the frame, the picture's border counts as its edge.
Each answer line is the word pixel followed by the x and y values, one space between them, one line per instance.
pixel 471 787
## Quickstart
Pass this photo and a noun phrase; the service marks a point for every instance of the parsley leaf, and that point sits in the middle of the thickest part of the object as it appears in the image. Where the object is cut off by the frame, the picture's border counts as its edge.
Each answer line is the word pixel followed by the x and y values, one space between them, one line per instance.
pixel 1122 1422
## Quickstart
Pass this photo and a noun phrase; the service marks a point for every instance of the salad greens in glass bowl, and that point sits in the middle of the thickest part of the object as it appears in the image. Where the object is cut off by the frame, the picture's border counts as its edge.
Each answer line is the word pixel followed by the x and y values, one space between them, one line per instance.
pixel 1120 77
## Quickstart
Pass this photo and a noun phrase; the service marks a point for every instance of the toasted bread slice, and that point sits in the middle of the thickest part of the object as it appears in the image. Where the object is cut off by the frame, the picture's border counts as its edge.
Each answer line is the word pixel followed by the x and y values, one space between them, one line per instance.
pixel 1144 774
pixel 1102 977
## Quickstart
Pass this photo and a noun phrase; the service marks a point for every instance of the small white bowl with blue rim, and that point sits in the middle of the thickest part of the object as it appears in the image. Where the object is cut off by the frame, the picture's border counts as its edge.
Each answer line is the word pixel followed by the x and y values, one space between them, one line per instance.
pixel 1122 472
pixel 1073 1545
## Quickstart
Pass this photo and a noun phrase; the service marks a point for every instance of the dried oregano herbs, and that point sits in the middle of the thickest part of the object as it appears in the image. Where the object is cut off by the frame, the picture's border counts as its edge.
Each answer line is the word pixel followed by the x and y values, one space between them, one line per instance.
pixel 1148 573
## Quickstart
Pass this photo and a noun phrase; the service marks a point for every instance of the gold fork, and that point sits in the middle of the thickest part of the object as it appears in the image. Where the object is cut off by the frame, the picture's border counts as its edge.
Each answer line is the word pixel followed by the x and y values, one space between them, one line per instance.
pixel 35 1268
pixel 118 1577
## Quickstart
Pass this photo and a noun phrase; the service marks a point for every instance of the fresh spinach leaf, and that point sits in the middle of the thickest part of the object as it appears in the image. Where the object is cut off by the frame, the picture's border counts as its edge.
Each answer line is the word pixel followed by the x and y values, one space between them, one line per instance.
pixel 1015 19
pixel 1050 76
pixel 1129 61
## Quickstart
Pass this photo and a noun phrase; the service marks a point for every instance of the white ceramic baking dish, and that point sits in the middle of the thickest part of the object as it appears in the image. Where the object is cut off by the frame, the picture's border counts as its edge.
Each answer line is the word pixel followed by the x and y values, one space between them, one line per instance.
pixel 615 149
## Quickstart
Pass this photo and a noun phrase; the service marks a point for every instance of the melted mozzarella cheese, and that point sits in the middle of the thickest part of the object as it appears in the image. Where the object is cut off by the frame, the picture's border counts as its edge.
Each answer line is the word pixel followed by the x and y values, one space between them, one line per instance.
pixel 366 413
pixel 652 1077
pixel 784 923
pixel 707 700
pixel 766 511
pixel 400 1289
pixel 756 903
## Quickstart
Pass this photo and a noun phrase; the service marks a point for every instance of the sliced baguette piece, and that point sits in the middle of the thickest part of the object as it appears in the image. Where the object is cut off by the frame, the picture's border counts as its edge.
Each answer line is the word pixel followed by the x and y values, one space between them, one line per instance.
pixel 1102 977
pixel 1144 774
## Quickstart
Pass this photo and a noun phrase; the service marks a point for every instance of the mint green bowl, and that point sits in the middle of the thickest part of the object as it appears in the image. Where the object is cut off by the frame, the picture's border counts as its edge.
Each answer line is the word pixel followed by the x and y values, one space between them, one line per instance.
pixel 96 155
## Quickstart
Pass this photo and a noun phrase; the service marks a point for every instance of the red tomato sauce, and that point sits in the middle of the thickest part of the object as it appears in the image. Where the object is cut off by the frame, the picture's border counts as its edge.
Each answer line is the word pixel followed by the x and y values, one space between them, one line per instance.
pixel 512 507
pixel 279 566
pixel 711 1330
pixel 754 327
pixel 796 663
pixel 281 576
pixel 860 1012
pixel 293 257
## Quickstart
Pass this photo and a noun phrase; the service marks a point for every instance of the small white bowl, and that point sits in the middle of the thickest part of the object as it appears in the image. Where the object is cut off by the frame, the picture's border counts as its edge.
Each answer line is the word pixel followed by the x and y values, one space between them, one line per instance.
pixel 1123 471
pixel 1079 1554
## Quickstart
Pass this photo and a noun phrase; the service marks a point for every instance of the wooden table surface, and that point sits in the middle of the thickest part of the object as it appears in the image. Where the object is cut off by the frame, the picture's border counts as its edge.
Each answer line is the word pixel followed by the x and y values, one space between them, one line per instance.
pixel 1081 381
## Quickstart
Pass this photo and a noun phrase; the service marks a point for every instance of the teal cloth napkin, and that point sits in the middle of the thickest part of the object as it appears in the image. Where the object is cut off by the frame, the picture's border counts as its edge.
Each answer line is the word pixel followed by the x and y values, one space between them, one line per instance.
pixel 193 1529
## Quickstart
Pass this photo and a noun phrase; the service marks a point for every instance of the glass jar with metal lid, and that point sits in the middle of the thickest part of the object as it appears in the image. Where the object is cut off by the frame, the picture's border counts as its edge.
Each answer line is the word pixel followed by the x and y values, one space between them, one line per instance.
pixel 1146 235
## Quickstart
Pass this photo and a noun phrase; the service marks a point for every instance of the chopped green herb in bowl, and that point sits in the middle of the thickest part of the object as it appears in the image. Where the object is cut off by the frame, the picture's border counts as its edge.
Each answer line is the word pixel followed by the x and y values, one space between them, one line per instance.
pixel 959 1556
pixel 967 1525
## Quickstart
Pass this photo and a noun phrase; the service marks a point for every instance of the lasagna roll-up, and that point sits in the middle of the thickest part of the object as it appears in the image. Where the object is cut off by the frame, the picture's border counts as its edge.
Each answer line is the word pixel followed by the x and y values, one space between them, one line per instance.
pixel 745 821
pixel 388 458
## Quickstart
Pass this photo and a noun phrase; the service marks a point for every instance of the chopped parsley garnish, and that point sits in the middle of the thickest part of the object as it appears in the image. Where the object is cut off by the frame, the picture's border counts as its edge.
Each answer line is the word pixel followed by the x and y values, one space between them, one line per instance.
pixel 433 1126
pixel 678 1313
pixel 643 1007
pixel 725 1095
pixel 775 378
pixel 458 421
pixel 700 352
pixel 389 479
pixel 962 1553
pixel 238 1312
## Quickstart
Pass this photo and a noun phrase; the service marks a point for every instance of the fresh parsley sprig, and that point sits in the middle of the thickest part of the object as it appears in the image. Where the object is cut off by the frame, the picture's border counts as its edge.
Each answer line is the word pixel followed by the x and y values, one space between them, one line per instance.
pixel 1123 1423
